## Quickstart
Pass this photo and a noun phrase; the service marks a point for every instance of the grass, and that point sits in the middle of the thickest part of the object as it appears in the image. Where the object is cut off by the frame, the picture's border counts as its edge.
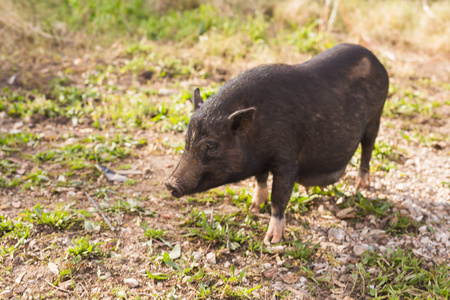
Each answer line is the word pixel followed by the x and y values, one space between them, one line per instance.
pixel 84 249
pixel 302 251
pixel 219 229
pixel 153 233
pixel 400 274
pixel 378 207
pixel 58 219
pixel 409 103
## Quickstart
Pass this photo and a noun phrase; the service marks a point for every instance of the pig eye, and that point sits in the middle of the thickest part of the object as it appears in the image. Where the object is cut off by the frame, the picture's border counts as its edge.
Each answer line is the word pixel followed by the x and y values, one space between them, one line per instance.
pixel 211 145
pixel 210 148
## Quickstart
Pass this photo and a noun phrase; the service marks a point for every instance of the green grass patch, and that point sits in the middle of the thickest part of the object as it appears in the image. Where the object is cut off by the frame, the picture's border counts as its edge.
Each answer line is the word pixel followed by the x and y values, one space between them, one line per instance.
pixel 58 219
pixel 84 249
pixel 220 230
pixel 302 251
pixel 13 234
pixel 399 274
pixel 399 225
pixel 12 140
pixel 378 207
pixel 408 103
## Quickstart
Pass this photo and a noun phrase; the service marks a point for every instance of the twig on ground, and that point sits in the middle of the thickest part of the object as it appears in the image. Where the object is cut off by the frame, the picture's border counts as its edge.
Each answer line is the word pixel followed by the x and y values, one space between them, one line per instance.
pixel 100 211
pixel 56 287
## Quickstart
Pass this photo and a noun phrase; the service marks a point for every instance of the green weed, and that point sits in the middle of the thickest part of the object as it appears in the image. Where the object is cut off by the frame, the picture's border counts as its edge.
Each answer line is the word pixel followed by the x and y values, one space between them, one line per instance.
pixel 18 139
pixel 153 233
pixel 12 231
pixel 39 179
pixel 242 198
pixel 399 225
pixel 408 103
pixel 377 207
pixel 220 231
pixel 96 149
pixel 83 248
pixel 400 274
pixel 298 202
pixel 59 219
pixel 424 136
pixel 301 250
pixel 306 38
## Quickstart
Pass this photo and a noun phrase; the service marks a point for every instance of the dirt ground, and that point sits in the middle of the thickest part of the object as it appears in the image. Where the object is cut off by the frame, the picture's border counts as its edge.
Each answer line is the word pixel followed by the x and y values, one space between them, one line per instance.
pixel 417 187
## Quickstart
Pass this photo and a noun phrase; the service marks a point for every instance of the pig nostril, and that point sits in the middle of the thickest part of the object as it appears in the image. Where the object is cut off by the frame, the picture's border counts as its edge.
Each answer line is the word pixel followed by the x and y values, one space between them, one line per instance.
pixel 174 190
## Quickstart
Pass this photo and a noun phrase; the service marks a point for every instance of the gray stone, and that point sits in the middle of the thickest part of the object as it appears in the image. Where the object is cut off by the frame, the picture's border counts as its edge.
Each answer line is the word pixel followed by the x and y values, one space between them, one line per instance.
pixel 336 235
pixel 197 256
pixel 6 294
pixel 360 249
pixel 131 282
pixel 211 258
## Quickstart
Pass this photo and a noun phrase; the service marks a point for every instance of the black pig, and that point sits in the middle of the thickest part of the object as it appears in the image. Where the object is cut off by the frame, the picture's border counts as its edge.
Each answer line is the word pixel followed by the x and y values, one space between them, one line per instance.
pixel 300 122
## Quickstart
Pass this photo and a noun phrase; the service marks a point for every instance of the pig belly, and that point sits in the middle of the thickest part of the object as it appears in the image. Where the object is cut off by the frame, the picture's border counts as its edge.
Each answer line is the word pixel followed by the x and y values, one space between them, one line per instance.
pixel 321 179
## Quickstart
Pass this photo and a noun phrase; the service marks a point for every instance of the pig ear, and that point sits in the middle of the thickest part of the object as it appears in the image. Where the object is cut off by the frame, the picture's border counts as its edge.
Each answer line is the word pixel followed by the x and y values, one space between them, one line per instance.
pixel 198 101
pixel 240 122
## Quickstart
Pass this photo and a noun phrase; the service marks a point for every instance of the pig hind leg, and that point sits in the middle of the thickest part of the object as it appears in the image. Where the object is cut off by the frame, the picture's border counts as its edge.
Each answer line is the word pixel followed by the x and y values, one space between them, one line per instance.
pixel 367 144
pixel 260 194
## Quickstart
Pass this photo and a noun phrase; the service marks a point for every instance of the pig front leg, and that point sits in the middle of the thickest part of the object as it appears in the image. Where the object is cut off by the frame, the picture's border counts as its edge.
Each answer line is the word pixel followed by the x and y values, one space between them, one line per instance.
pixel 260 194
pixel 283 183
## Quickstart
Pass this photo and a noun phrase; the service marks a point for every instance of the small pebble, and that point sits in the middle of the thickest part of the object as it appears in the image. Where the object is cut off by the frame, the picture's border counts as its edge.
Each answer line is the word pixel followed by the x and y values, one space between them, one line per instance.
pixel 6 294
pixel 185 279
pixel 211 258
pixel 336 235
pixel 360 249
pixel 131 282
pixel 197 256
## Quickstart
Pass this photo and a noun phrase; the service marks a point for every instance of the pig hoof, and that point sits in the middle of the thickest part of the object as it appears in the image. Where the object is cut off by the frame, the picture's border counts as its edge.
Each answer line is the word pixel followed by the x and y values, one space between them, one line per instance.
pixel 254 208
pixel 362 181
pixel 275 231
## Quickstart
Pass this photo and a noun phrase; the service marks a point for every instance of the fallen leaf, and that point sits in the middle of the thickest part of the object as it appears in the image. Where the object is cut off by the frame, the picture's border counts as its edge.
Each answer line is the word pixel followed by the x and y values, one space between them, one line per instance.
pixel 16 204
pixel 65 285
pixel 270 273
pixel 346 213
pixel 291 278
pixel 19 278
pixel 176 252
pixel 339 284
pixel 298 293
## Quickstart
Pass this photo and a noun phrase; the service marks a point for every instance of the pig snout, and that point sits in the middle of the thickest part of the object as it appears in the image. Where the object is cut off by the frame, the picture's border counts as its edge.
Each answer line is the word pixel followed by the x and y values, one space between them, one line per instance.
pixel 174 187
